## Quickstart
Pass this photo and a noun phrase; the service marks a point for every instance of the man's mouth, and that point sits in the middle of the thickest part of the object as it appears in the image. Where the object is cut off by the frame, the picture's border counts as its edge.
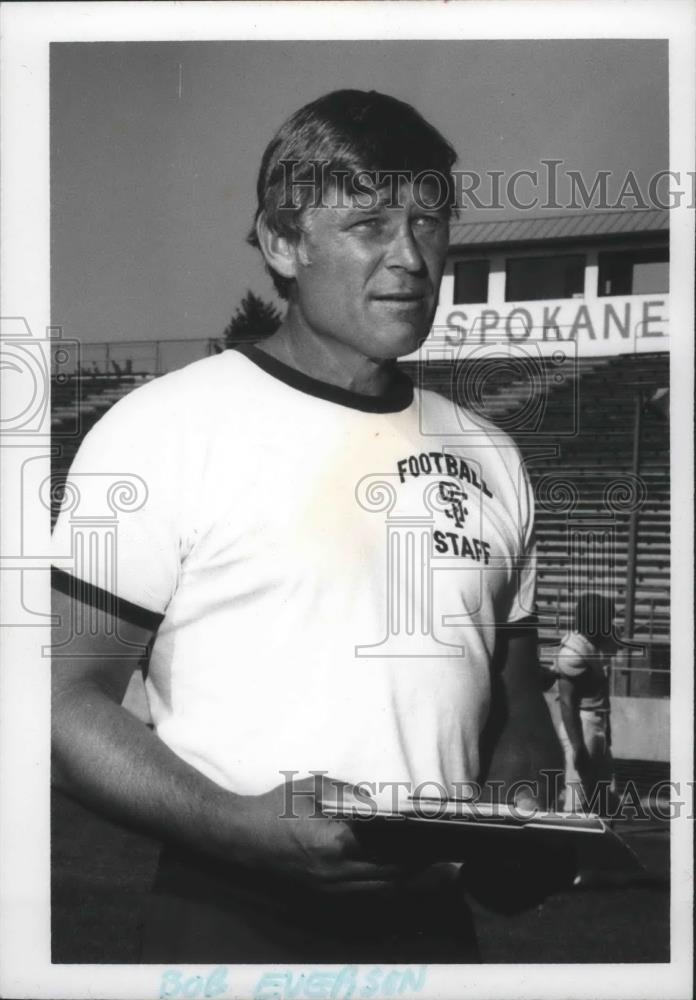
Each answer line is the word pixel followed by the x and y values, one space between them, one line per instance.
pixel 401 297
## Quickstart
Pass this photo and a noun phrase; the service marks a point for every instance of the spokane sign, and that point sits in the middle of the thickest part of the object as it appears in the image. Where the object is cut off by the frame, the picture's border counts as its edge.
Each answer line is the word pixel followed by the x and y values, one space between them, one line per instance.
pixel 617 325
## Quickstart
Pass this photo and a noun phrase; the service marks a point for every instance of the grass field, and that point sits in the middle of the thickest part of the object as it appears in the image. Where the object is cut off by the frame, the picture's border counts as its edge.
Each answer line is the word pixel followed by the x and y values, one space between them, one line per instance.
pixel 101 872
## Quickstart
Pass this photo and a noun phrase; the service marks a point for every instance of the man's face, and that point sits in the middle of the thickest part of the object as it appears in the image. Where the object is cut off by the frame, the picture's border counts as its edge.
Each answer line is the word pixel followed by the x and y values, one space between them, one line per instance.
pixel 369 277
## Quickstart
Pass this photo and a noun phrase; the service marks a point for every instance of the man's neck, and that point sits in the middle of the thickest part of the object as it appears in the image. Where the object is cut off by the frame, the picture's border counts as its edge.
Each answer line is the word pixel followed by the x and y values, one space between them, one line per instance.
pixel 328 360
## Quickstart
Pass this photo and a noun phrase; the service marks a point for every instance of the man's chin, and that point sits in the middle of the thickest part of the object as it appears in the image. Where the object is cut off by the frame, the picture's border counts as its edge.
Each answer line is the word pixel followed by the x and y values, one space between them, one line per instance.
pixel 400 344
pixel 413 345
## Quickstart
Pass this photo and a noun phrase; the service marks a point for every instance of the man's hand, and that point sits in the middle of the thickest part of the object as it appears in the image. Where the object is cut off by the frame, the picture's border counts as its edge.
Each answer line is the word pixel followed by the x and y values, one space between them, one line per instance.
pixel 283 831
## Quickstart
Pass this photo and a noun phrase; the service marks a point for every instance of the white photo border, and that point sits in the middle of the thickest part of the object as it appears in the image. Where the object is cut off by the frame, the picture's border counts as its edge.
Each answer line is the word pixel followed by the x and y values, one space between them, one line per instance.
pixel 27 30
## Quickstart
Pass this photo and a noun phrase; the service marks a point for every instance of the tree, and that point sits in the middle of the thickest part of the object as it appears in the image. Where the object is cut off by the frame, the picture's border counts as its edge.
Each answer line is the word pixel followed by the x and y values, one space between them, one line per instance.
pixel 253 319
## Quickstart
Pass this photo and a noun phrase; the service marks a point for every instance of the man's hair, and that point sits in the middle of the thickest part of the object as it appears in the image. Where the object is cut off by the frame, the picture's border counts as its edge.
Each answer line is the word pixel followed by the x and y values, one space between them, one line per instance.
pixel 333 140
pixel 594 616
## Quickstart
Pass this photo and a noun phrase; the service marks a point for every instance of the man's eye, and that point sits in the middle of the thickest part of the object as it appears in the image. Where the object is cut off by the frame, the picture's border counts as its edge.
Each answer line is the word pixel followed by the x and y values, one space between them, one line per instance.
pixel 372 222
pixel 429 222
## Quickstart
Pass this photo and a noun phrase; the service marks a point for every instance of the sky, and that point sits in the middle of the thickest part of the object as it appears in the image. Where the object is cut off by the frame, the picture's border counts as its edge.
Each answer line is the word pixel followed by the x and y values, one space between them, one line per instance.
pixel 155 149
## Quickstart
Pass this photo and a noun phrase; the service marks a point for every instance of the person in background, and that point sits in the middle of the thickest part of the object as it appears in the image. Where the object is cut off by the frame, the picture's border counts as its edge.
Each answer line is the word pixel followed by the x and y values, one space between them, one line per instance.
pixel 582 665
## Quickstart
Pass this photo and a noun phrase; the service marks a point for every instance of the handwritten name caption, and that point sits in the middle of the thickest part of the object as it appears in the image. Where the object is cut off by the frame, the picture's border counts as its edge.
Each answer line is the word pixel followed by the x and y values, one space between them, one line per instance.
pixel 351 982
pixel 341 984
pixel 175 984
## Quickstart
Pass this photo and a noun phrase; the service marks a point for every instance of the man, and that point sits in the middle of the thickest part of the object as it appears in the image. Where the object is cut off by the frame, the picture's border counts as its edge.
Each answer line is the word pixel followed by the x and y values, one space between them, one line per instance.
pixel 254 564
pixel 583 688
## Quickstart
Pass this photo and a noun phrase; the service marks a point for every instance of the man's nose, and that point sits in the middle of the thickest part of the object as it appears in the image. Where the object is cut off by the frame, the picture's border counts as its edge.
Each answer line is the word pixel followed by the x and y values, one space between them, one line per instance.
pixel 404 252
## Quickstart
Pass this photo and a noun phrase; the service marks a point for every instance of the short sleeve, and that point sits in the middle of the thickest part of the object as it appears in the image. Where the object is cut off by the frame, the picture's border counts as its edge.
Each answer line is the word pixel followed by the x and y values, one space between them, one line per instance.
pixel 570 662
pixel 525 570
pixel 119 527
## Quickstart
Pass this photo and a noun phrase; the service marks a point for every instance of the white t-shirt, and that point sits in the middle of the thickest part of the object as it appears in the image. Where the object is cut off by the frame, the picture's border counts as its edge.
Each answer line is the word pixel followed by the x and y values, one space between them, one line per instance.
pixel 330 571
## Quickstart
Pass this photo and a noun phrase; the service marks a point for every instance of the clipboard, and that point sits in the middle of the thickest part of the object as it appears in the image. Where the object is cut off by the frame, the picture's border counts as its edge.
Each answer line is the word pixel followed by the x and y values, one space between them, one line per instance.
pixel 460 830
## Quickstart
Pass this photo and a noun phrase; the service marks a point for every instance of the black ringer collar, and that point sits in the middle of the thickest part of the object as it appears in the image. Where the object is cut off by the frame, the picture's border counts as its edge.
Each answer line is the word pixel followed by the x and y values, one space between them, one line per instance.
pixel 398 395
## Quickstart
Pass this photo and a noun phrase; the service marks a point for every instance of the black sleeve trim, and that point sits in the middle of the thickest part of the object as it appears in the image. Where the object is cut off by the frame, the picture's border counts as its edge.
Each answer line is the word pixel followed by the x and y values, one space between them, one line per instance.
pixel 88 593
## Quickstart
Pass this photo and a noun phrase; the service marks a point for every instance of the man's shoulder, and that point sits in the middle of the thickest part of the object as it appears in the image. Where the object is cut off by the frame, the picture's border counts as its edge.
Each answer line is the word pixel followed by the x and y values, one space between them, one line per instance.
pixel 462 421
pixel 578 643
pixel 193 389
pixel 166 427
pixel 573 654
pixel 204 375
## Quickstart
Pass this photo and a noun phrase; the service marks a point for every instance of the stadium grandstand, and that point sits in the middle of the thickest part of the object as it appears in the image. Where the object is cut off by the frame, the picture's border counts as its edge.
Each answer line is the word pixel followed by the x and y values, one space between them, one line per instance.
pixel 557 330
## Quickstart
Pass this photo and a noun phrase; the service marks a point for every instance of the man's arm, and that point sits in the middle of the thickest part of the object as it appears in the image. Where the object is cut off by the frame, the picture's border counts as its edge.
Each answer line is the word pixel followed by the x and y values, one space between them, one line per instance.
pixel 520 743
pixel 104 755
pixel 110 760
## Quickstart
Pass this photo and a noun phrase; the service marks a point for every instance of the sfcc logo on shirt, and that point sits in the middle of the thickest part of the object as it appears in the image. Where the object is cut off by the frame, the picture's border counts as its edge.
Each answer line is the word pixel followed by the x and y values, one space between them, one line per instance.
pixel 453 498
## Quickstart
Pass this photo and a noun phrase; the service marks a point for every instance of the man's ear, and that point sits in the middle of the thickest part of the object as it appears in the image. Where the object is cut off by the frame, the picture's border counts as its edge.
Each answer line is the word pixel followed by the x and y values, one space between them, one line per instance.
pixel 280 252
